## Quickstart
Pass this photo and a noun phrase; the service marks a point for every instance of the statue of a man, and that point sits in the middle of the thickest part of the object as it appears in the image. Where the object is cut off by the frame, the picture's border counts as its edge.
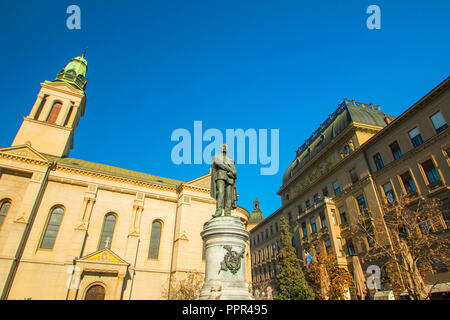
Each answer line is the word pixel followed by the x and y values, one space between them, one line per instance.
pixel 223 183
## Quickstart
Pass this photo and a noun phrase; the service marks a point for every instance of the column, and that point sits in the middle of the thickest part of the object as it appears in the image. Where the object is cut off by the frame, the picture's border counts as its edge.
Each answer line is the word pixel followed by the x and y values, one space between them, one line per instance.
pixel 41 96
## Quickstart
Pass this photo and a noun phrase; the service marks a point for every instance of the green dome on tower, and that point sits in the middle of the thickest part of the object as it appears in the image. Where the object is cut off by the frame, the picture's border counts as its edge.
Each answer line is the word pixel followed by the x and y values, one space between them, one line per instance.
pixel 74 73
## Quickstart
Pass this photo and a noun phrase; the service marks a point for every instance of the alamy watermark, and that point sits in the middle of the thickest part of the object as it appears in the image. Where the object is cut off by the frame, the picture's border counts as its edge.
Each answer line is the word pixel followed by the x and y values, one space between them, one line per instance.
pixel 74 20
pixel 374 20
pixel 374 279
pixel 257 146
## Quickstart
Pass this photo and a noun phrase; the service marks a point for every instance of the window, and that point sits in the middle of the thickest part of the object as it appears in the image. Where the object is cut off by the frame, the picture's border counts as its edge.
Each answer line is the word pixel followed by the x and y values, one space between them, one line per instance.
pixel 316 198
pixel 333 216
pixel 107 231
pixel 4 208
pixel 323 220
pixel 430 171
pixel 155 239
pixel 293 240
pixel 378 161
pixel 353 175
pixel 313 225
pixel 415 137
pixel 389 192
pixel 342 215
pixel 336 187
pixel 308 204
pixel 267 233
pixel 290 218
pixel 347 149
pixel 350 248
pixel 408 182
pixel 54 112
pixel 271 230
pixel 287 196
pixel 439 122
pixel 325 192
pixel 362 204
pixel 395 148
pixel 304 230
pixel 276 226
pixel 328 246
pixel 52 228
pixel 425 226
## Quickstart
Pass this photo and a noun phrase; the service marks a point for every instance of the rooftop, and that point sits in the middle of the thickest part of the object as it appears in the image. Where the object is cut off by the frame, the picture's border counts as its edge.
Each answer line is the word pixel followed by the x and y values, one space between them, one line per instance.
pixel 115 171
pixel 348 111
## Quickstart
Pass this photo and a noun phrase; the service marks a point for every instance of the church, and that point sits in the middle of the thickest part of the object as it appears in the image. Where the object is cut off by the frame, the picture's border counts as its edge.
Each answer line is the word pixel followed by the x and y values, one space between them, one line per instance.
pixel 71 229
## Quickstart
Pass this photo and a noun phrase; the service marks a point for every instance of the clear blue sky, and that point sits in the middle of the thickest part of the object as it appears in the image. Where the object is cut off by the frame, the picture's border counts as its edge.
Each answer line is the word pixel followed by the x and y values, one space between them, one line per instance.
pixel 155 66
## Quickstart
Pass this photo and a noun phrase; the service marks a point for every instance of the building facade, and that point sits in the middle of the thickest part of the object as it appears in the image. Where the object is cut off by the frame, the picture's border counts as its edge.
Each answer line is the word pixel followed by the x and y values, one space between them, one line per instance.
pixel 358 158
pixel 74 229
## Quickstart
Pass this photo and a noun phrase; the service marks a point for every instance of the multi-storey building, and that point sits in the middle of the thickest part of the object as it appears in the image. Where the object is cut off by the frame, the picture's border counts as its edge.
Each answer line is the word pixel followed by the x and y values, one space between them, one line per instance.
pixel 356 158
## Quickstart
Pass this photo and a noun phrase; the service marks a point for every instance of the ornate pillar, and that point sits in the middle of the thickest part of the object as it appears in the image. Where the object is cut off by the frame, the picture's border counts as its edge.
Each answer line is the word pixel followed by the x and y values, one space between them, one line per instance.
pixel 225 273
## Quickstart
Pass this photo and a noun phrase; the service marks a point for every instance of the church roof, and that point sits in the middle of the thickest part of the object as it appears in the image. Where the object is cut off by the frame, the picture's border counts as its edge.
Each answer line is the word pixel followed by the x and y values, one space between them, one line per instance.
pixel 115 171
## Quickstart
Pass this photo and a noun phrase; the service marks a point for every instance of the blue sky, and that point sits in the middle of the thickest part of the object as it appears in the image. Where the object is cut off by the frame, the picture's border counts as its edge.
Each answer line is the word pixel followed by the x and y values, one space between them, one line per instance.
pixel 155 66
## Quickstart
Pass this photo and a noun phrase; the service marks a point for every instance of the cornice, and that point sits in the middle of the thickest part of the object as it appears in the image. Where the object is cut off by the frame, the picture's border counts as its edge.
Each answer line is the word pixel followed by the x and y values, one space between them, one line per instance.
pixel 56 87
pixel 441 88
pixel 19 158
pixel 114 178
pixel 48 124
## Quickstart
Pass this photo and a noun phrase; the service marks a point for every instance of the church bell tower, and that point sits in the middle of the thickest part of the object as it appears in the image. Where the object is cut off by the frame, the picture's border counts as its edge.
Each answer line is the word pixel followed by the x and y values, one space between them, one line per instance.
pixel 51 124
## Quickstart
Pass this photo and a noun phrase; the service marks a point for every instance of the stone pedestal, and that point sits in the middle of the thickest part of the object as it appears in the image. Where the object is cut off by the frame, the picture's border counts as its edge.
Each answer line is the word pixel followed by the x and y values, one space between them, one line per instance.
pixel 225 240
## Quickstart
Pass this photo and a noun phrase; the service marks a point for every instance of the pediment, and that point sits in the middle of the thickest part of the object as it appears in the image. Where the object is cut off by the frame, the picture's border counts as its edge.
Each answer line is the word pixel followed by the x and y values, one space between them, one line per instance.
pixel 61 86
pixel 201 182
pixel 103 256
pixel 24 151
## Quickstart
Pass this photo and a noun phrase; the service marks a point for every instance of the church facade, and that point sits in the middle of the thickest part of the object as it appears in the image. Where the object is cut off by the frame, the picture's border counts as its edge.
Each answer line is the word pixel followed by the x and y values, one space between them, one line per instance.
pixel 74 229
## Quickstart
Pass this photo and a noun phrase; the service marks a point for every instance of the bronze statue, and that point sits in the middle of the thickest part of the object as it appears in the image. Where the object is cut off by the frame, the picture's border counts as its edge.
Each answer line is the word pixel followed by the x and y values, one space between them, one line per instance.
pixel 223 183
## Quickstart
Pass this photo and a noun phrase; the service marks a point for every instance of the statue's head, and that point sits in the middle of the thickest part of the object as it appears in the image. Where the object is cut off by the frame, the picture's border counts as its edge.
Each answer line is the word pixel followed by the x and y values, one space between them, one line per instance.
pixel 224 148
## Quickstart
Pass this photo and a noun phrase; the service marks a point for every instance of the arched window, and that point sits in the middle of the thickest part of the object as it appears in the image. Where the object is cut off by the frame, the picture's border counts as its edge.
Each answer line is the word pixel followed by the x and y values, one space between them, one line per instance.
pixel 96 292
pixel 52 227
pixel 4 208
pixel 107 231
pixel 54 112
pixel 155 238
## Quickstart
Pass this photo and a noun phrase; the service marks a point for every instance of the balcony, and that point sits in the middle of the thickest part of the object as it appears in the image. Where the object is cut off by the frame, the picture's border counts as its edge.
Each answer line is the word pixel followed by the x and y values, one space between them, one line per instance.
pixel 322 201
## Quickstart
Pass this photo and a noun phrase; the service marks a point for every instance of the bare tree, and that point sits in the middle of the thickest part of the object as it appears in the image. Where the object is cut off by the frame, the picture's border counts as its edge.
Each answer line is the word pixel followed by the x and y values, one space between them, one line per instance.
pixel 328 280
pixel 186 288
pixel 410 246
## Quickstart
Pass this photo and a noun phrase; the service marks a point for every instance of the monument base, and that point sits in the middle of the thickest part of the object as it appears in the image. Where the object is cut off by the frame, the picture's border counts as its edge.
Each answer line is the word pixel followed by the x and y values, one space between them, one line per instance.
pixel 225 242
